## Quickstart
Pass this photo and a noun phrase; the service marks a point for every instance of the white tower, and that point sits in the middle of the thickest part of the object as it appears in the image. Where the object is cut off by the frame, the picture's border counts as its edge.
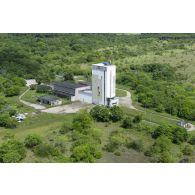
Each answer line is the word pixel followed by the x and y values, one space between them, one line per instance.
pixel 104 84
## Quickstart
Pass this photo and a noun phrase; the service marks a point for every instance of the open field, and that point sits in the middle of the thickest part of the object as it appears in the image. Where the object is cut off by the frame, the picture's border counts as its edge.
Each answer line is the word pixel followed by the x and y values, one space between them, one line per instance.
pixel 182 60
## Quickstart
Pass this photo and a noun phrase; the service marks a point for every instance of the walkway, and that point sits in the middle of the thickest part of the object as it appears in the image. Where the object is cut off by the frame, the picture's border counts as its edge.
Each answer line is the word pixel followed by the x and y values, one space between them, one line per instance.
pixel 35 106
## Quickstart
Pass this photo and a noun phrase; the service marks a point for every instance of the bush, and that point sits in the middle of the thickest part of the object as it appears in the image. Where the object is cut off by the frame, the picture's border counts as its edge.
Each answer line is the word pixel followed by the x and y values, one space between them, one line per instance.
pixel 12 91
pixel 85 153
pixel 46 150
pixel 60 145
pixel 165 157
pixel 12 151
pixel 32 141
pixel 192 140
pixel 163 130
pixel 43 89
pixel 137 145
pixel 188 150
pixel 100 113
pixel 33 87
pixel 68 76
pixel 12 112
pixel 116 140
pixel 7 121
pixel 161 144
pixel 137 119
pixel 116 113
pixel 180 135
pixel 127 123
pixel 65 129
pixel 117 153
pixel 160 108
pixel 82 121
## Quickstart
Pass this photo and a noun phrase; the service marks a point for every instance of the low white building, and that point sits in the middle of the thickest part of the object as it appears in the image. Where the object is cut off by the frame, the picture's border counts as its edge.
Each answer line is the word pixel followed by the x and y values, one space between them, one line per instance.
pixel 30 82
pixel 85 96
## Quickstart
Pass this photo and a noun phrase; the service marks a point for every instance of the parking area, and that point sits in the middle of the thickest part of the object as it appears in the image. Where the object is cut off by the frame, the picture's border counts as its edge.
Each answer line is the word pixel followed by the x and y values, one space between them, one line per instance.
pixel 69 108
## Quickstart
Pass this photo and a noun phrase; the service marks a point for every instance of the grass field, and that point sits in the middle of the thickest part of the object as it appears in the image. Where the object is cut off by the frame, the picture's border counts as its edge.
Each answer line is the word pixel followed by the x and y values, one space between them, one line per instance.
pixel 183 60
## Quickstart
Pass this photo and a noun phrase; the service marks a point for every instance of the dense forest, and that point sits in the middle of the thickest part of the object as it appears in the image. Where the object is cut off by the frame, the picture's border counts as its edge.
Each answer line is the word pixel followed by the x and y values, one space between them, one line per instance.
pixel 158 69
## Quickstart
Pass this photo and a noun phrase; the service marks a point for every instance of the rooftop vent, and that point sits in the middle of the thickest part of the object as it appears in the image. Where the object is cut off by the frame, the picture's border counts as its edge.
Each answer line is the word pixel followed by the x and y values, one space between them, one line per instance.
pixel 106 63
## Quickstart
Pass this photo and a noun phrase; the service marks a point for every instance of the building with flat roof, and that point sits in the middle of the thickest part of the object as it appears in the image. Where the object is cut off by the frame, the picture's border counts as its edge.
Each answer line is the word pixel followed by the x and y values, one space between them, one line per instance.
pixel 70 90
pixel 51 100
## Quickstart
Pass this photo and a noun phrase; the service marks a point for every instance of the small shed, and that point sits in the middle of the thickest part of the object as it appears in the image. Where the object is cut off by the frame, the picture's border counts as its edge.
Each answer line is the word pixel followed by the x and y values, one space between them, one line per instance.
pixel 51 100
pixel 183 124
pixel 30 82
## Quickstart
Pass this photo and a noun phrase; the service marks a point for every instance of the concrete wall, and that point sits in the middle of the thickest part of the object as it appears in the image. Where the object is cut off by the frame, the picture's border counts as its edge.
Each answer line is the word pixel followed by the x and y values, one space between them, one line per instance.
pixel 77 93
pixel 103 83
pixel 85 97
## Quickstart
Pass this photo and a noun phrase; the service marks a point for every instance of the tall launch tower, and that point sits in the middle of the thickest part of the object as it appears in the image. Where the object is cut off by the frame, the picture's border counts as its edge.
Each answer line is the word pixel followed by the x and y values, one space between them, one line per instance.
pixel 104 84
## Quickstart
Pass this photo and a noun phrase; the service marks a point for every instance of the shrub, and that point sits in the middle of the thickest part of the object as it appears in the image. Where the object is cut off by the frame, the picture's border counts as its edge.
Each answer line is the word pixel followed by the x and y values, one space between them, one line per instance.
pixel 137 145
pixel 12 112
pixel 116 113
pixel 68 76
pixel 127 123
pixel 163 130
pixel 33 87
pixel 12 151
pixel 85 153
pixel 188 150
pixel 60 145
pixel 32 141
pixel 180 135
pixel 161 144
pixel 192 140
pixel 82 121
pixel 46 150
pixel 65 128
pixel 137 119
pixel 116 140
pixel 12 91
pixel 165 157
pixel 160 108
pixel 117 153
pixel 100 113
pixel 43 89
pixel 7 121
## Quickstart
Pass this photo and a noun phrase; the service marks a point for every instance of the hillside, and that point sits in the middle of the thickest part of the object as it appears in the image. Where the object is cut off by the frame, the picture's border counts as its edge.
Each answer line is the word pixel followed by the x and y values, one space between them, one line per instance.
pixel 158 70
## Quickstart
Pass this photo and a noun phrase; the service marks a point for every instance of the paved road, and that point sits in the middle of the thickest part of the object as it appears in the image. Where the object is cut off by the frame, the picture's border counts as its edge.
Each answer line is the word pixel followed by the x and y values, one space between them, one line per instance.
pixel 126 101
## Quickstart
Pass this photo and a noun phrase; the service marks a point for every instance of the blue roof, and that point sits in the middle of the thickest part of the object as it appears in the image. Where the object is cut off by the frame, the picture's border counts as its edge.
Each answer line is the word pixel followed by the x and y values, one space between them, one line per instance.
pixel 106 63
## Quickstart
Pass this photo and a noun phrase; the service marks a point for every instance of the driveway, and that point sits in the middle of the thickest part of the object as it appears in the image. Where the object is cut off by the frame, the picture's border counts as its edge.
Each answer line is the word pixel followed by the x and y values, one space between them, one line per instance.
pixel 36 106
pixel 66 109
pixel 126 101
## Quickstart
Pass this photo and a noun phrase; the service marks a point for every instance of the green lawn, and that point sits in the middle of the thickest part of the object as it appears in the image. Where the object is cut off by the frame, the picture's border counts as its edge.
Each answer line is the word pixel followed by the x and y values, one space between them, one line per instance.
pixel 40 123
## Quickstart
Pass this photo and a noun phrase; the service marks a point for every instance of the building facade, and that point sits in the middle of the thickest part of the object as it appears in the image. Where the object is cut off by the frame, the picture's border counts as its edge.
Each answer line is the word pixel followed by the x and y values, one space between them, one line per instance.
pixel 51 100
pixel 104 84
pixel 70 90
